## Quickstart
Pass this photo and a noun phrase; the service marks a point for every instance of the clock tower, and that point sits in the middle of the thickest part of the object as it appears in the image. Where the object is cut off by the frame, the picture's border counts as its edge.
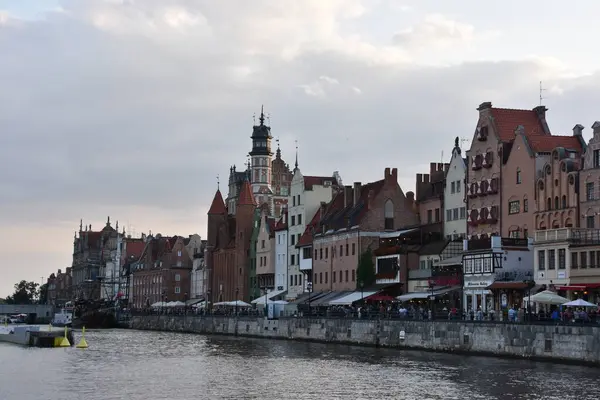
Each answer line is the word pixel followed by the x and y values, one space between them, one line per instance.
pixel 261 162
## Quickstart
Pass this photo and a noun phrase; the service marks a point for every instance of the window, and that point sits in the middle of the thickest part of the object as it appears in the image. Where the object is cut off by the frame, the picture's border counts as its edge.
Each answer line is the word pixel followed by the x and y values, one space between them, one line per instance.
pixel 525 205
pixel 353 275
pixel 326 253
pixel 293 220
pixel 453 187
pixel 551 259
pixel 292 280
pixel 583 259
pixel 347 253
pixel 457 186
pixel 293 259
pixel 177 277
pixel 463 212
pixel 589 222
pixel 589 191
pixel 315 254
pixel 596 158
pixel 541 260
pixel 346 275
pixel 353 248
pixel 468 265
pixel 299 219
pixel 178 253
pixel 389 215
pixel 429 216
pixel 437 215
pixel 448 215
pixel 340 276
pixel 177 289
pixel 333 276
pixel 562 256
pixel 564 201
pixel 326 274
pixel 293 205
pixel 513 234
pixel 455 213
pixel 514 207
pixel 518 176
pixel 321 253
pixel 293 241
pixel 262 243
pixel 487 264
pixel 574 260
pixel 478 262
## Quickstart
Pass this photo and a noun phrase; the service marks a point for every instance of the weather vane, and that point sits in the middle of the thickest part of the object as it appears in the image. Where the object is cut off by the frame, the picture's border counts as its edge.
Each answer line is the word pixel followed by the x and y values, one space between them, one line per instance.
pixel 218 182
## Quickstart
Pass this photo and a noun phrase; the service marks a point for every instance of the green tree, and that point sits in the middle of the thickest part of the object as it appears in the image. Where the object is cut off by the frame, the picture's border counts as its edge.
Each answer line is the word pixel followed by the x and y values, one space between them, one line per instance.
pixel 365 272
pixel 43 294
pixel 25 293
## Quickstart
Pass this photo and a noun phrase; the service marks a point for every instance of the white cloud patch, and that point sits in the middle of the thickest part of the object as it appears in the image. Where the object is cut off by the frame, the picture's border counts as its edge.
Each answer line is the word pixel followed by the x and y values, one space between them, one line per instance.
pixel 435 31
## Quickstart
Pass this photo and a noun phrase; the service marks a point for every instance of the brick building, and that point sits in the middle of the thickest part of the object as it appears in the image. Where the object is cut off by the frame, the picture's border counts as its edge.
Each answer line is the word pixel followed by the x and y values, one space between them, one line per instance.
pixel 352 222
pixel 59 288
pixel 228 246
pixel 162 273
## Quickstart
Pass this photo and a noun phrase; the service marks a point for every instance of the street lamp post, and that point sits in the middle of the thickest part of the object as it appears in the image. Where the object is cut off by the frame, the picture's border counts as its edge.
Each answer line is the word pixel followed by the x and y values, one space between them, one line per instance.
pixel 207 302
pixel 237 291
pixel 185 299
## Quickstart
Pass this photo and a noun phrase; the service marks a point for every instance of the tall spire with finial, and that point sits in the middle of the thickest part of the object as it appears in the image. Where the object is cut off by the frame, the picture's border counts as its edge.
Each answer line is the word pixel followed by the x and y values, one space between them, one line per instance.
pixel 108 221
pixel 81 225
pixel 117 226
pixel 278 152
pixel 262 115
pixel 248 171
pixel 296 165
pixel 219 181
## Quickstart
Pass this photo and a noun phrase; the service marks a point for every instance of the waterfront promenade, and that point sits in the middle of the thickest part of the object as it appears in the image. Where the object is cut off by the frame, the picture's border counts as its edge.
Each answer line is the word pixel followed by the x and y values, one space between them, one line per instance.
pixel 574 343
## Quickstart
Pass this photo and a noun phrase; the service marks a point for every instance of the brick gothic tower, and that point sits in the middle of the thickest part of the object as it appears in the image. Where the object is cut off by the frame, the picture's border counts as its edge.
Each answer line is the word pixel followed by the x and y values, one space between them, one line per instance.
pixel 243 233
pixel 217 215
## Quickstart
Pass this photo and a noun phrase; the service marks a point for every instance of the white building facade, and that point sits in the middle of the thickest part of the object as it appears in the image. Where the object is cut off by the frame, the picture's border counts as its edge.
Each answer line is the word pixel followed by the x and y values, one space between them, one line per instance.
pixel 306 195
pixel 568 260
pixel 494 260
pixel 455 214
pixel 281 253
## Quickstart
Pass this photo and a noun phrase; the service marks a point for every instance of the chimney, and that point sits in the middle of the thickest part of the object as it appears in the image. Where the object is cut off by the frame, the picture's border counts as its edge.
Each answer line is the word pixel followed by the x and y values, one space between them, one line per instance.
pixel 419 178
pixel 386 174
pixel 426 178
pixel 410 200
pixel 440 167
pixel 395 175
pixel 348 195
pixel 596 127
pixel 357 189
pixel 432 168
pixel 322 210
pixel 578 130
pixel 541 114
pixel 484 106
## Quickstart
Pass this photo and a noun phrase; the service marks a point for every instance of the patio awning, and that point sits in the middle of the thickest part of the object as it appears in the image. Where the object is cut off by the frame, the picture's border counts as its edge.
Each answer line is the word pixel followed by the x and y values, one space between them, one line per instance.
pixel 324 300
pixel 425 295
pixel 351 298
pixel 508 286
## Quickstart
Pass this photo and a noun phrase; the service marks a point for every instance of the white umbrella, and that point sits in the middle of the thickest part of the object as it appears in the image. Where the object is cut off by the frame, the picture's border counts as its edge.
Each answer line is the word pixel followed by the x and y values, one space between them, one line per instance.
pixel 579 303
pixel 239 303
pixel 159 304
pixel 547 297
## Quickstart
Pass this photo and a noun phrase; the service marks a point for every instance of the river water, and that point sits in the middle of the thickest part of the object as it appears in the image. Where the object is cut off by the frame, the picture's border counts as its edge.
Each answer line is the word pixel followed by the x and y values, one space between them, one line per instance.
pixel 135 365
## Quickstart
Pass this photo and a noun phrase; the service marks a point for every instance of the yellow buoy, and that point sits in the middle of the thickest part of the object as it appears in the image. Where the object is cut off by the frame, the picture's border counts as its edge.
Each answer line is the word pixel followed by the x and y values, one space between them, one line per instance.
pixel 65 341
pixel 82 343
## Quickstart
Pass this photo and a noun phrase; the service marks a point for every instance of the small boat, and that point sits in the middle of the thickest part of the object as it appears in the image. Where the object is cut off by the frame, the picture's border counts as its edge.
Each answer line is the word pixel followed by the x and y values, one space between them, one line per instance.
pixel 63 318
pixel 36 335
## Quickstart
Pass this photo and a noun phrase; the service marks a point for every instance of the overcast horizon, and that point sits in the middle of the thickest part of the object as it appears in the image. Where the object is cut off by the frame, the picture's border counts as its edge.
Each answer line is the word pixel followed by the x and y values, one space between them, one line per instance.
pixel 130 109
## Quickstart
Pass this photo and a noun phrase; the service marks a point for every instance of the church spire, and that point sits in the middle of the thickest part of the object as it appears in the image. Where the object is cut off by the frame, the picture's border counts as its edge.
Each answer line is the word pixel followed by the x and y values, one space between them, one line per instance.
pixel 296 165
pixel 262 115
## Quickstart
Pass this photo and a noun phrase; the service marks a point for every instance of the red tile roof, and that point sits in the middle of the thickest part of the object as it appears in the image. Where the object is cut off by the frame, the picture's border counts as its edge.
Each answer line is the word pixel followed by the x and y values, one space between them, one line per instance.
pixel 507 120
pixel 246 198
pixel 134 248
pixel 310 181
pixel 337 215
pixel 546 143
pixel 218 205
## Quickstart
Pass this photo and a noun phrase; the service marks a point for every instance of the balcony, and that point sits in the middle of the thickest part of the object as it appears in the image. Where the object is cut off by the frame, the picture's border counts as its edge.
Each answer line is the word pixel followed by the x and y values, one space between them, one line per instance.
pixel 575 236
pixel 306 264
pixel 419 273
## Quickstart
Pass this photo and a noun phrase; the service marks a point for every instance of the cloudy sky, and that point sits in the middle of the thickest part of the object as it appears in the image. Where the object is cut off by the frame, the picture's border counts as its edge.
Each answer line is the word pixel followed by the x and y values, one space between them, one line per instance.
pixel 131 108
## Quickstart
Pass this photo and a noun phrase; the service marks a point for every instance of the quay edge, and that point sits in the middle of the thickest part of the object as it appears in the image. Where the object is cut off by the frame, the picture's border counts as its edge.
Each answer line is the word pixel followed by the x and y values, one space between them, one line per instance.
pixel 578 345
pixel 35 335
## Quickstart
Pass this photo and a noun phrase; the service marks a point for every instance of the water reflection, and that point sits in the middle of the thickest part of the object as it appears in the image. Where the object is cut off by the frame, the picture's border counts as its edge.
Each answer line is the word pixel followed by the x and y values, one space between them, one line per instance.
pixel 153 365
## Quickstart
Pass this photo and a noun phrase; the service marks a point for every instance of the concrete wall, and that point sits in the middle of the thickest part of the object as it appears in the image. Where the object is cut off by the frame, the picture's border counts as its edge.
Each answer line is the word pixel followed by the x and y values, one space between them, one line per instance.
pixel 559 343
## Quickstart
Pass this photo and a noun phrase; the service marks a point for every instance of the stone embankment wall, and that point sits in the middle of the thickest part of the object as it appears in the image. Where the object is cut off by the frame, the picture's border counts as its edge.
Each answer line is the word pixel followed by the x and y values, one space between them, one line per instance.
pixel 579 344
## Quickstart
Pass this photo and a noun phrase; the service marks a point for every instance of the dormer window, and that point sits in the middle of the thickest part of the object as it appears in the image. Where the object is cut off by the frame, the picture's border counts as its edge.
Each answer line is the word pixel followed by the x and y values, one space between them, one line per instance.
pixel 482 133
pixel 519 180
pixel 389 215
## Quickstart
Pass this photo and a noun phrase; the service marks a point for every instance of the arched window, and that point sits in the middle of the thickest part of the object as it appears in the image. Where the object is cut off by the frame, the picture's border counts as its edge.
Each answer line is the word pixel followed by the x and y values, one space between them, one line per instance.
pixel 389 215
pixel 556 203
pixel 549 204
pixel 564 201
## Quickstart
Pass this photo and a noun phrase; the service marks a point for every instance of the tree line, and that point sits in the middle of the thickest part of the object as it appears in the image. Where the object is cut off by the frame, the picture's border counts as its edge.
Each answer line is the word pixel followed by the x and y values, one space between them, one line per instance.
pixel 28 293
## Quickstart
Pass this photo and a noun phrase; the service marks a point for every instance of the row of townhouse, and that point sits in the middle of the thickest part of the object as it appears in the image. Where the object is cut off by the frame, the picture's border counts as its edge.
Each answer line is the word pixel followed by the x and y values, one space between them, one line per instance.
pixel 475 219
